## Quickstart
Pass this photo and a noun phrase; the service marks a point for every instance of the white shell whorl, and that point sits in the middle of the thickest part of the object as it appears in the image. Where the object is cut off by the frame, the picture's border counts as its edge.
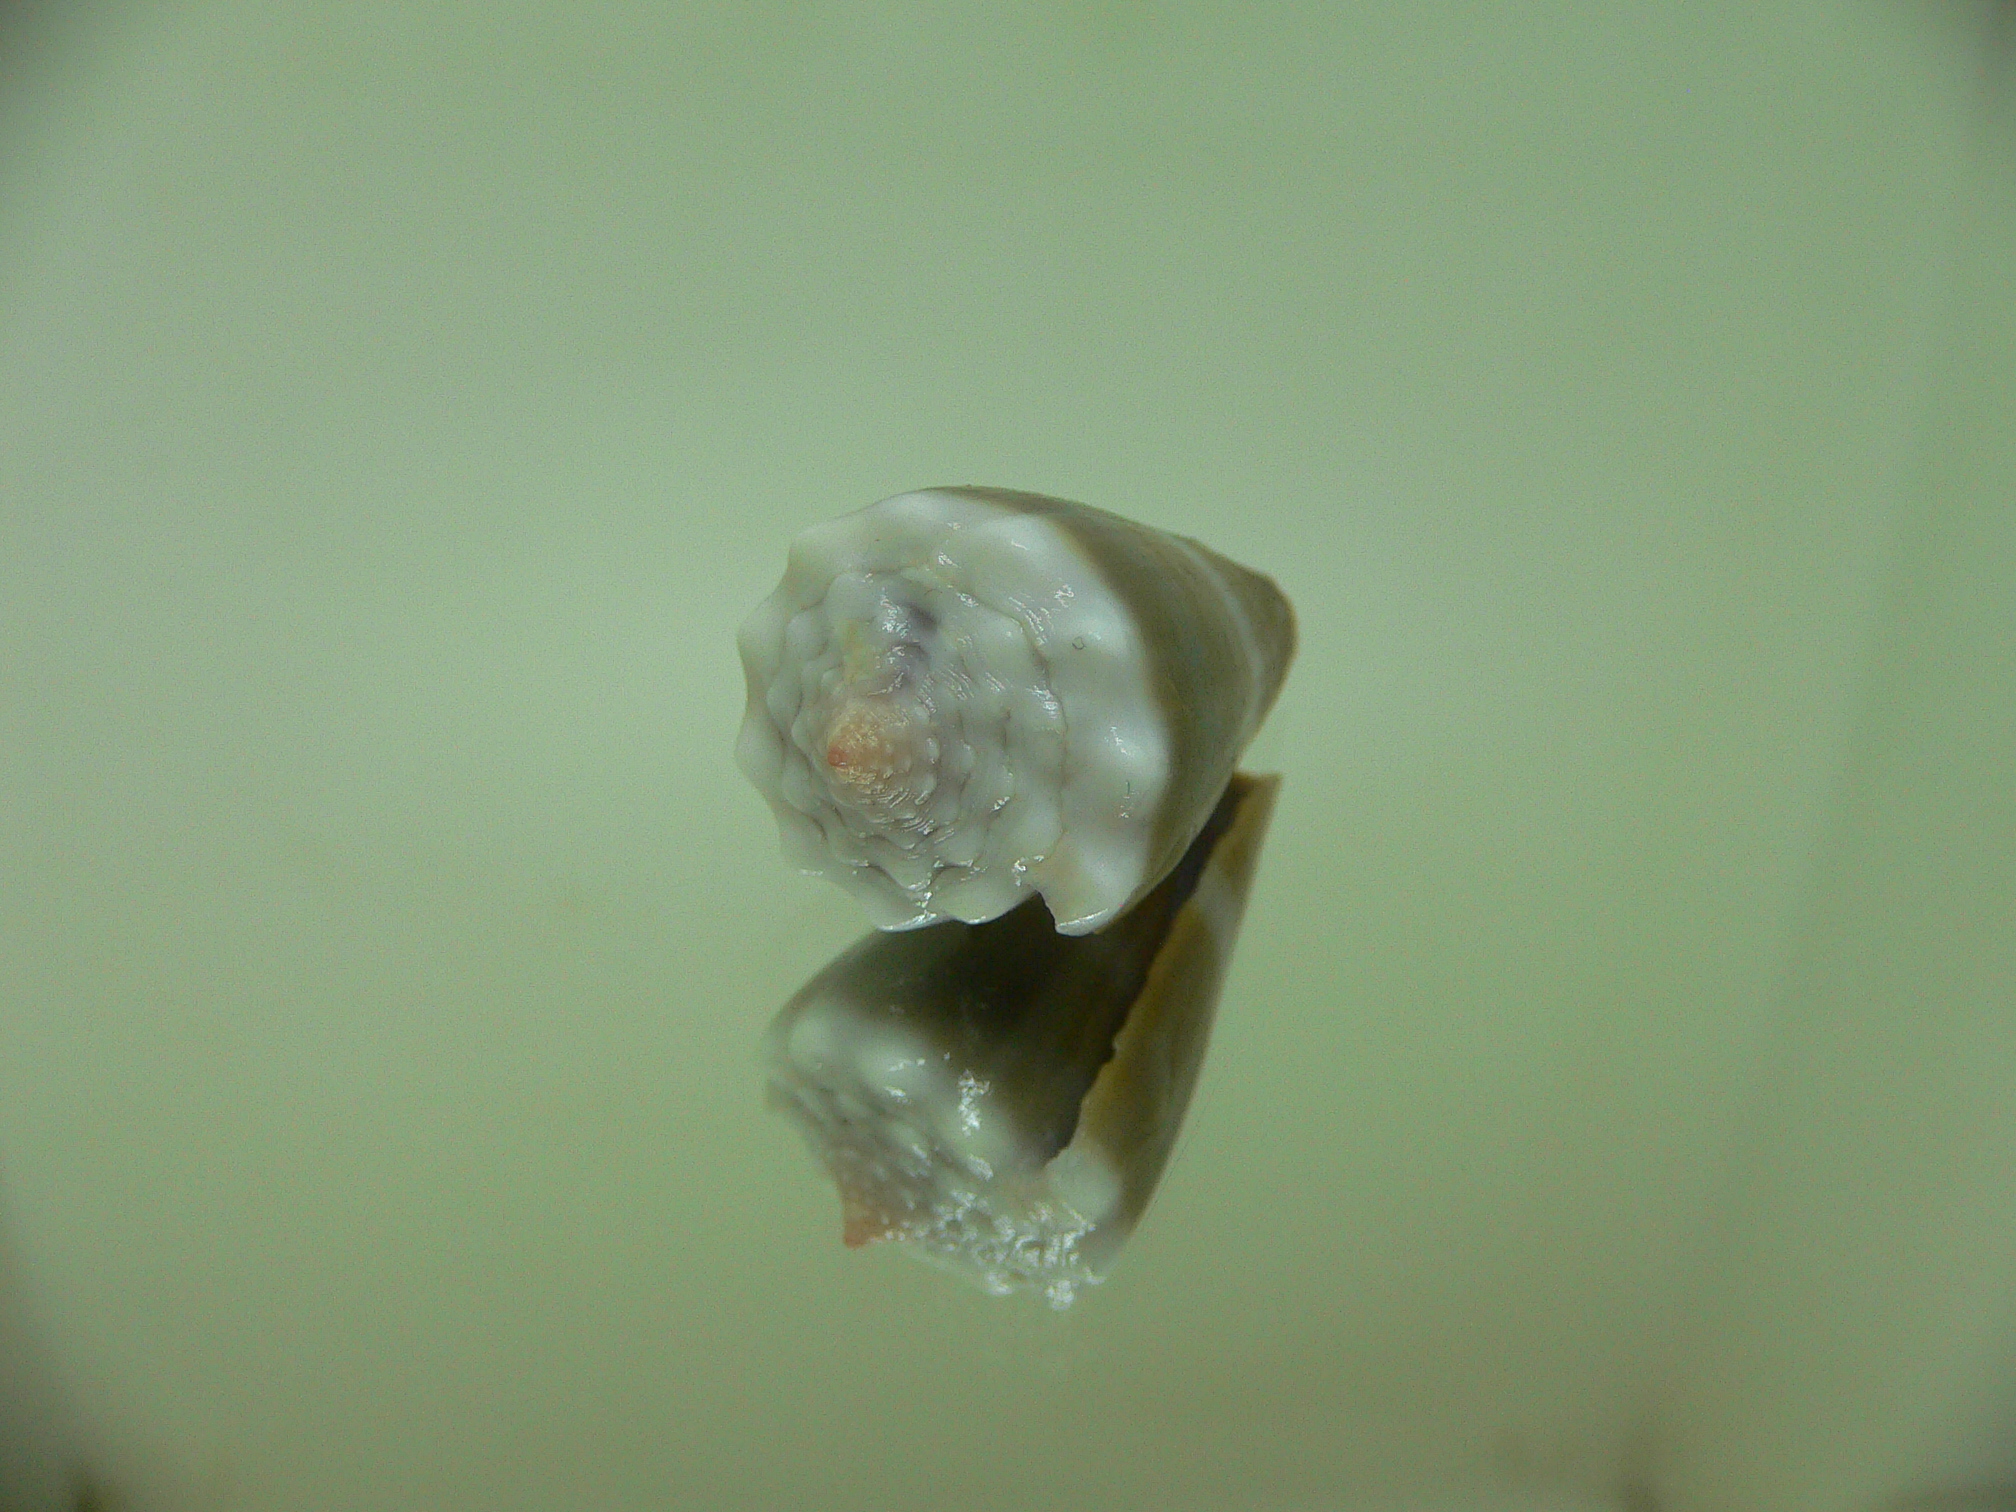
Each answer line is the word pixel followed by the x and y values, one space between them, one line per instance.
pixel 961 696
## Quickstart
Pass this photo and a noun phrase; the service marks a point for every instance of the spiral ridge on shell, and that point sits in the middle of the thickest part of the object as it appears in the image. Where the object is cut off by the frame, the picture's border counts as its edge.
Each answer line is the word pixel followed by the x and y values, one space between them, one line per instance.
pixel 961 696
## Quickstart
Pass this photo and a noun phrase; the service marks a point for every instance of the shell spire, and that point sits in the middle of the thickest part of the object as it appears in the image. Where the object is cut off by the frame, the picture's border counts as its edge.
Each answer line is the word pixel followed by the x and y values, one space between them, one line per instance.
pixel 964 696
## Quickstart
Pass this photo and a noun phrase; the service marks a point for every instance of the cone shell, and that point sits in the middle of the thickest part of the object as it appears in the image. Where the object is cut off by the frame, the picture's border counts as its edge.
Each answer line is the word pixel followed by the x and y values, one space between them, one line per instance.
pixel 962 697
pixel 1004 1098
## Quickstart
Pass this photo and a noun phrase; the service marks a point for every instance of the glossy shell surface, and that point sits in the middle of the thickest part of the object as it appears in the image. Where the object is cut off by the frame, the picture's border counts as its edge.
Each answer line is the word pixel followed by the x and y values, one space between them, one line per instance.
pixel 962 697
pixel 1003 1098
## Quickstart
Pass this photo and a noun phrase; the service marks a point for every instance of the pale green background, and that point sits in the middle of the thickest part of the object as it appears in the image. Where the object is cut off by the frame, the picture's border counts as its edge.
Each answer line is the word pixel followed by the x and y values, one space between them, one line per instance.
pixel 400 405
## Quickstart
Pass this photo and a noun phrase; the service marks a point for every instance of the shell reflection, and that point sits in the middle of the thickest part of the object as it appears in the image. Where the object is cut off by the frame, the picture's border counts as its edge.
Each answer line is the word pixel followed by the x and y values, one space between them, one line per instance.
pixel 1002 1097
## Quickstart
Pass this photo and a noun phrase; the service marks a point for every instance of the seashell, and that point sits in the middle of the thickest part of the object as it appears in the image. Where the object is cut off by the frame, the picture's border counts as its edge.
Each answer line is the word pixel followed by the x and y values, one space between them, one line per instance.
pixel 963 696
pixel 1003 1097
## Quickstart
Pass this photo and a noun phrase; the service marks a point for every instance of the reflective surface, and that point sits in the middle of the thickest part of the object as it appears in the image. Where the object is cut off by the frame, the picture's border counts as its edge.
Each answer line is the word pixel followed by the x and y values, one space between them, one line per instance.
pixel 399 407
pixel 1003 1097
